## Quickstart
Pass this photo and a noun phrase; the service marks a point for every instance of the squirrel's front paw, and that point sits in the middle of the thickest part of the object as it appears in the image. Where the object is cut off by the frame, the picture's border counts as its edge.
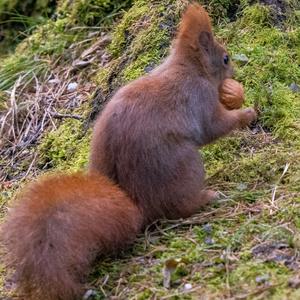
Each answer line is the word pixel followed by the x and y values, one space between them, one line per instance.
pixel 249 115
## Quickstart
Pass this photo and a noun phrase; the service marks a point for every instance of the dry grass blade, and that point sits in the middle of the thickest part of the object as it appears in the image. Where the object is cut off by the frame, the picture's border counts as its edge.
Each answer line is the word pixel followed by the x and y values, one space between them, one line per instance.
pixel 272 202
pixel 34 105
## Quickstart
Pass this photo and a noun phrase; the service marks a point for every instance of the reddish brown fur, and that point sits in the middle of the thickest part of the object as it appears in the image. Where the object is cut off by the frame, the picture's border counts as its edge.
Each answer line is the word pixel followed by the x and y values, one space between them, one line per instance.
pixel 147 137
pixel 59 226
pixel 195 21
pixel 146 141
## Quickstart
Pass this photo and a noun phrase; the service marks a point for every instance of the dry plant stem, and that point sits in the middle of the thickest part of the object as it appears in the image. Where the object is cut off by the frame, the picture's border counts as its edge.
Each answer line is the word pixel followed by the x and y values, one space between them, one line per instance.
pixel 30 113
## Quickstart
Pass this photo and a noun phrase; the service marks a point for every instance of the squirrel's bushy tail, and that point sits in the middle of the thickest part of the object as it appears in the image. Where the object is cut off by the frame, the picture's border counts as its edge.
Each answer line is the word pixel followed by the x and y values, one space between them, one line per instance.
pixel 58 227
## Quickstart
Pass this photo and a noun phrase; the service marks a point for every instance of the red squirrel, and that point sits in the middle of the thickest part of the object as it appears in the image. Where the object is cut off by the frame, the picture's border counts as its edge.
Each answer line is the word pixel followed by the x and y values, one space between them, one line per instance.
pixel 144 165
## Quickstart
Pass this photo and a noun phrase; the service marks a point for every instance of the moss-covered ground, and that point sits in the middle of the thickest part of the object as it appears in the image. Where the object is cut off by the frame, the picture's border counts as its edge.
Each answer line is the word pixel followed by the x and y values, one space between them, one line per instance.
pixel 247 245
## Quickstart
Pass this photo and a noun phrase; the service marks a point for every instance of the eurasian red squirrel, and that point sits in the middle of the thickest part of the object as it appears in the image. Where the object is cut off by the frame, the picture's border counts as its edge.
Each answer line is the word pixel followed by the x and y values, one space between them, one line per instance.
pixel 144 165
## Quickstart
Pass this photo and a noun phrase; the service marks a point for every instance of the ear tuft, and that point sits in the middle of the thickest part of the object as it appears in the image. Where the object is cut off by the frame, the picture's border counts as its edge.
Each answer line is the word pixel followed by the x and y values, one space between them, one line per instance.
pixel 195 20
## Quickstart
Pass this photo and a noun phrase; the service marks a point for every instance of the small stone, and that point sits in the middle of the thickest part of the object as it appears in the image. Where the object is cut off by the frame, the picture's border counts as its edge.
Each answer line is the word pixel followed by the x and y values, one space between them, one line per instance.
pixel 78 64
pixel 72 86
pixel 187 287
pixel 149 68
pixel 209 241
pixel 242 187
pixel 54 81
pixel 207 228
pixel 88 294
pixel 262 278
pixel 294 87
pixel 241 58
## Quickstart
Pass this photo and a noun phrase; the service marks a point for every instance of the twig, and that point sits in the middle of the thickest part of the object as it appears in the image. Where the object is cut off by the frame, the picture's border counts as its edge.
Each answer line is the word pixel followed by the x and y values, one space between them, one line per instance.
pixel 181 293
pixel 62 116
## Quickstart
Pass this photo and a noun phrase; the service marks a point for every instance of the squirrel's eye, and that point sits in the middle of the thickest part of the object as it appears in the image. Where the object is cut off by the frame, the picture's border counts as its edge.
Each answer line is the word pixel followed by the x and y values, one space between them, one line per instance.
pixel 226 59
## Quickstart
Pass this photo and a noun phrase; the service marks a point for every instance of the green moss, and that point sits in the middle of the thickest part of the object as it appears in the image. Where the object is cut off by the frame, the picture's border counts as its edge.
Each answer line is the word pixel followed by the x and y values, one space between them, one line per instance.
pixel 219 154
pixel 91 12
pixel 152 53
pixel 253 170
pixel 128 24
pixel 273 64
pixel 245 275
pixel 256 16
pixel 282 111
pixel 104 75
pixel 220 10
pixel 139 41
pixel 66 147
pixel 58 39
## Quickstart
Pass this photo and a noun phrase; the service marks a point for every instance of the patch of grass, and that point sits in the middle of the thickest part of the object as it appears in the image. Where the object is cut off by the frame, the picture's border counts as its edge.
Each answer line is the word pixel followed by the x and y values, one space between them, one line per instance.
pixel 253 171
pixel 20 67
pixel 25 7
pixel 224 264
pixel 19 18
pixel 245 276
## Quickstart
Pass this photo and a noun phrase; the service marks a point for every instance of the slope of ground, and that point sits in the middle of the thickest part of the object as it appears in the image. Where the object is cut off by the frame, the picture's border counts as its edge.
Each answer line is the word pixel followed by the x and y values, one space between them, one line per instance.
pixel 59 78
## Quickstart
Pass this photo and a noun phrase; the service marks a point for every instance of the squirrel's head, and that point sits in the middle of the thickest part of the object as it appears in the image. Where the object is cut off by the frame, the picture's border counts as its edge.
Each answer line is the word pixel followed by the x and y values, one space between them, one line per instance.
pixel 196 39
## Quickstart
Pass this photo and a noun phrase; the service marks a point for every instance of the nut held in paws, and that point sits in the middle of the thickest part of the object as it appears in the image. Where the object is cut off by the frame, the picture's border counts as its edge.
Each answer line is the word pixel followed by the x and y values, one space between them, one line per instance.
pixel 232 94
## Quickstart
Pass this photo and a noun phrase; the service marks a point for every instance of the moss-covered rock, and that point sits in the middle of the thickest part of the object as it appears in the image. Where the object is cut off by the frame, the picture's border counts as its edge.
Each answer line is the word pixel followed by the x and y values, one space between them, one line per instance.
pixel 139 42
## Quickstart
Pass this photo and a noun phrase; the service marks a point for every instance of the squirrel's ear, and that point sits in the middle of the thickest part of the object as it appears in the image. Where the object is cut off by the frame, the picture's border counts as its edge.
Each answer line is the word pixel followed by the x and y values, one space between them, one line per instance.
pixel 206 40
pixel 194 20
